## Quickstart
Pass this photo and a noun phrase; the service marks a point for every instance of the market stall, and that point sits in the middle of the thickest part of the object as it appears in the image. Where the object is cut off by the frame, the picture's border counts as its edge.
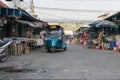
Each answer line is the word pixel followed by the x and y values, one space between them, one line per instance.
pixel 110 33
pixel 23 29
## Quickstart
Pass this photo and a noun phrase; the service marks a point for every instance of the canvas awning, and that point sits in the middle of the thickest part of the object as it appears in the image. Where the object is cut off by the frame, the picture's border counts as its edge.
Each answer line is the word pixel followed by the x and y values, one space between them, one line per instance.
pixel 22 17
pixel 114 17
pixel 27 17
pixel 3 5
pixel 17 12
pixel 10 11
pixel 32 24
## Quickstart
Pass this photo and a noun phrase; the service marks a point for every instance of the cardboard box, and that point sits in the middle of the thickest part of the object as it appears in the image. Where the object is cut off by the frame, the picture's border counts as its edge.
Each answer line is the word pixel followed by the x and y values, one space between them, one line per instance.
pixel 27 50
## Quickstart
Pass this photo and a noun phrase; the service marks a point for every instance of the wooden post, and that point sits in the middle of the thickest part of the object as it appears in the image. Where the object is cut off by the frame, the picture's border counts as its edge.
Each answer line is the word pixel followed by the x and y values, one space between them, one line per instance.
pixel 117 49
pixel 32 8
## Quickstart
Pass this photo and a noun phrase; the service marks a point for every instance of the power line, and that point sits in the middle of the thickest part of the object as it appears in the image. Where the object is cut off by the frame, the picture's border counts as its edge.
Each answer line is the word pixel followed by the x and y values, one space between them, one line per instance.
pixel 26 3
pixel 60 9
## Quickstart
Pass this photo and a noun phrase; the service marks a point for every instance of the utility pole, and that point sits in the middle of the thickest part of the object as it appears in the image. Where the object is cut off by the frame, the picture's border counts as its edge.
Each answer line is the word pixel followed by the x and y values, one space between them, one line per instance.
pixel 32 8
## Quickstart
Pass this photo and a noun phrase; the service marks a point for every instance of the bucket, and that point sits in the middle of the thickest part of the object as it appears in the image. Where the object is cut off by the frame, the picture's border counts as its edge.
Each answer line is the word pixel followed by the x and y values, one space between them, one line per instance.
pixel 112 44
pixel 97 47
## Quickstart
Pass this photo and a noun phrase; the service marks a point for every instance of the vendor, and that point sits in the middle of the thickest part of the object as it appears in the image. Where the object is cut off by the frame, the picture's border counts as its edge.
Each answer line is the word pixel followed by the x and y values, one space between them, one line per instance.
pixel 102 39
pixel 85 39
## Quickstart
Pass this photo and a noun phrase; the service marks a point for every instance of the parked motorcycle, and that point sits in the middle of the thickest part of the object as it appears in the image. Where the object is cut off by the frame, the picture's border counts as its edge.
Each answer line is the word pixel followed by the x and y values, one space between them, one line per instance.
pixel 4 51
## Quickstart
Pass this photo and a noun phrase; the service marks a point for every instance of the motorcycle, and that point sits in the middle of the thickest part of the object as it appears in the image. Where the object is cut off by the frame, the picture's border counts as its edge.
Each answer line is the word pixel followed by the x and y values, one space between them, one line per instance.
pixel 4 51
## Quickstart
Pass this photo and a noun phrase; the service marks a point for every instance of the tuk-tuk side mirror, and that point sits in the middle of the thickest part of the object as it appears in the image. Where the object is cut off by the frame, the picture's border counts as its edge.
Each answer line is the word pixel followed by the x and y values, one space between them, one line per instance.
pixel 45 34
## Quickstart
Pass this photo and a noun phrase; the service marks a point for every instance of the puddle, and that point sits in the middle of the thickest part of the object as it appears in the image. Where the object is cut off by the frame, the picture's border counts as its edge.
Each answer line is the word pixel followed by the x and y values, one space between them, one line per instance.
pixel 5 68
pixel 13 70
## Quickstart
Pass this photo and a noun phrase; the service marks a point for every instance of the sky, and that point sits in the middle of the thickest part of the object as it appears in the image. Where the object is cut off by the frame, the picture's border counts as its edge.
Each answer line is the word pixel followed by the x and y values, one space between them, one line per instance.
pixel 69 10
pixel 80 4
pixel 86 9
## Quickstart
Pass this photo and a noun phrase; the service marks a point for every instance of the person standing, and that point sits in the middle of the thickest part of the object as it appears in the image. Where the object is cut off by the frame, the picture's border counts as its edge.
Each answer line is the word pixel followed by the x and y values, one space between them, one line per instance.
pixel 85 39
pixel 102 39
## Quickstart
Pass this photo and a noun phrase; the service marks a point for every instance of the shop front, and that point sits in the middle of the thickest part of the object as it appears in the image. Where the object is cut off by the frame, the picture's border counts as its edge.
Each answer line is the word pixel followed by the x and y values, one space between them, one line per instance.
pixel 103 35
pixel 23 29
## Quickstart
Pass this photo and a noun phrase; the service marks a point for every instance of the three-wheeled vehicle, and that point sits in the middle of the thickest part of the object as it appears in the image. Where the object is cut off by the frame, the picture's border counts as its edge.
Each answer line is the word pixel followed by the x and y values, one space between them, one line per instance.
pixel 54 38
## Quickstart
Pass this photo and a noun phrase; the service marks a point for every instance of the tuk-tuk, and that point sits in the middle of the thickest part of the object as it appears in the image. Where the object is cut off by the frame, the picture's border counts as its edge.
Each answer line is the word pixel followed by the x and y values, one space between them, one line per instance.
pixel 54 38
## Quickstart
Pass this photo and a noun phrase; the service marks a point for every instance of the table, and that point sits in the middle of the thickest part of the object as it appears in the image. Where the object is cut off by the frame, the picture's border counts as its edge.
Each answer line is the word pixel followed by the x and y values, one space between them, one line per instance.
pixel 31 44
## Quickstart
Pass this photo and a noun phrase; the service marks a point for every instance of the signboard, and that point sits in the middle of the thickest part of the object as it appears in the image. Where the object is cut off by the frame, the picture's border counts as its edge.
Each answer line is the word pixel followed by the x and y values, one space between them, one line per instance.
pixel 53 27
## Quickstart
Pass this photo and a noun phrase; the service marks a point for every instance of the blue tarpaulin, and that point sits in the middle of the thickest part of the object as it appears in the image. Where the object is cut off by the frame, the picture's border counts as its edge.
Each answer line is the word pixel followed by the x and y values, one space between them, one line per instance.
pixel 16 12
pixel 23 16
pixel 9 11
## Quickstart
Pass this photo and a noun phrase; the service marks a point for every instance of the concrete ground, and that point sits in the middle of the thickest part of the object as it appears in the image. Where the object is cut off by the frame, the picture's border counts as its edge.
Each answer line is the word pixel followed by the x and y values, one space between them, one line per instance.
pixel 75 63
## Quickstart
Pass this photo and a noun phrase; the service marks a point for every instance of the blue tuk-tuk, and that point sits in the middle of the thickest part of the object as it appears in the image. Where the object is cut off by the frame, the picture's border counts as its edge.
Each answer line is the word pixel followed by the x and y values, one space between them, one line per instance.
pixel 54 38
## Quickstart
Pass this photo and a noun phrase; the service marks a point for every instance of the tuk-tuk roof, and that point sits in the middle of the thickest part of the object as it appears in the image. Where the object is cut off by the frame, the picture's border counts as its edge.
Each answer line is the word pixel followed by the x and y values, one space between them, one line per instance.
pixel 54 27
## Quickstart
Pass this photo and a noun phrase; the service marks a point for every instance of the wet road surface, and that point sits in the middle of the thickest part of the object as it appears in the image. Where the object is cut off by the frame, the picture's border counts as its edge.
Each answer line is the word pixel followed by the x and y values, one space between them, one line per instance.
pixel 75 63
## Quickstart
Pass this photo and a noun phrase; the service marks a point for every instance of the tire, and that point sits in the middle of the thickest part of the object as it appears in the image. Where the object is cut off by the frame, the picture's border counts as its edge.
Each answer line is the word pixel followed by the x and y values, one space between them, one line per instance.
pixel 48 50
pixel 65 48
pixel 52 49
pixel 5 56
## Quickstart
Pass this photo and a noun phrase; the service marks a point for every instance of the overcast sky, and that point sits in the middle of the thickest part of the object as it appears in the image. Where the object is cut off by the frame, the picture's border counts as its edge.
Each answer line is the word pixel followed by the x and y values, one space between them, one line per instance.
pixel 102 5
pixel 80 4
pixel 78 9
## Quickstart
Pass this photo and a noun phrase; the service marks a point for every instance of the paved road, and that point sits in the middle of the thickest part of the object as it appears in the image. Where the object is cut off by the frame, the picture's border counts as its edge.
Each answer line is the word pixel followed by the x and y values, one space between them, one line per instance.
pixel 75 63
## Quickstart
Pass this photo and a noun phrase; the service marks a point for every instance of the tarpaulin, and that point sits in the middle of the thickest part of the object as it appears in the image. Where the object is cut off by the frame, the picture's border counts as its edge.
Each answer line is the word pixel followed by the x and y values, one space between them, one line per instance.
pixel 3 5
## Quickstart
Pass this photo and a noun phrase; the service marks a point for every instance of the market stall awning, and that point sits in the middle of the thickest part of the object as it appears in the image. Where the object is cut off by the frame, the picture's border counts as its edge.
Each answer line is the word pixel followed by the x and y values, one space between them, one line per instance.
pixel 22 17
pixel 3 5
pixel 85 29
pixel 27 17
pixel 93 24
pixel 103 24
pixel 32 24
pixel 114 17
pixel 17 12
pixel 10 11
pixel 106 24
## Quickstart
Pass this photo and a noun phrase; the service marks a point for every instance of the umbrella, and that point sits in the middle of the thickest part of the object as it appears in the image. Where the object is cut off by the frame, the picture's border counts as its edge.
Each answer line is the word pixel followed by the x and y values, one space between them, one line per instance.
pixel 106 24
pixel 103 24
pixel 85 29
pixel 93 24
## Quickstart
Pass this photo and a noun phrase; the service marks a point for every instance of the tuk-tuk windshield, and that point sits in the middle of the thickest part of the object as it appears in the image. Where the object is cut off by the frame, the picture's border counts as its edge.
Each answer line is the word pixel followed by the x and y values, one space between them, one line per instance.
pixel 55 33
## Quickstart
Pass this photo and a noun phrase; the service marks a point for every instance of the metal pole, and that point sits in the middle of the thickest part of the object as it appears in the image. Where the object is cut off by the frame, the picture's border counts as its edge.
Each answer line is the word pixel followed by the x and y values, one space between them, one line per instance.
pixel 32 8
pixel 0 10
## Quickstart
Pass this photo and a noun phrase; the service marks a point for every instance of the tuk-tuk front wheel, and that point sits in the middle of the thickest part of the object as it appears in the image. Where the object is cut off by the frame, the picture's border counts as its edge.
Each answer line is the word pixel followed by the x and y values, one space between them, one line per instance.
pixel 53 49
pixel 65 49
pixel 48 50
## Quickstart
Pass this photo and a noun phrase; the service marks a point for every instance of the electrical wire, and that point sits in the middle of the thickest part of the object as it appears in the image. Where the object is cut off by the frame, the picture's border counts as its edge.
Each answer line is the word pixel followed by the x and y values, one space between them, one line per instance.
pixel 60 9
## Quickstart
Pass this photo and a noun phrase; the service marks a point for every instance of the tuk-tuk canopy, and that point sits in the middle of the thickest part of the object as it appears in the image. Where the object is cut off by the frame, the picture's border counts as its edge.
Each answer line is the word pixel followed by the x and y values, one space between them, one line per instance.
pixel 54 27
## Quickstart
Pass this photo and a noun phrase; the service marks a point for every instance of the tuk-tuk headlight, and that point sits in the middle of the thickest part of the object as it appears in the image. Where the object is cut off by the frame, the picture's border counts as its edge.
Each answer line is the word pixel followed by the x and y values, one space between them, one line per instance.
pixel 60 38
pixel 46 38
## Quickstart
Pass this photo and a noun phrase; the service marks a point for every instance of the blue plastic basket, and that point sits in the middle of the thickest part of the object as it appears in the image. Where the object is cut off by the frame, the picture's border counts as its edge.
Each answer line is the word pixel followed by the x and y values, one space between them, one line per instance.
pixel 112 44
